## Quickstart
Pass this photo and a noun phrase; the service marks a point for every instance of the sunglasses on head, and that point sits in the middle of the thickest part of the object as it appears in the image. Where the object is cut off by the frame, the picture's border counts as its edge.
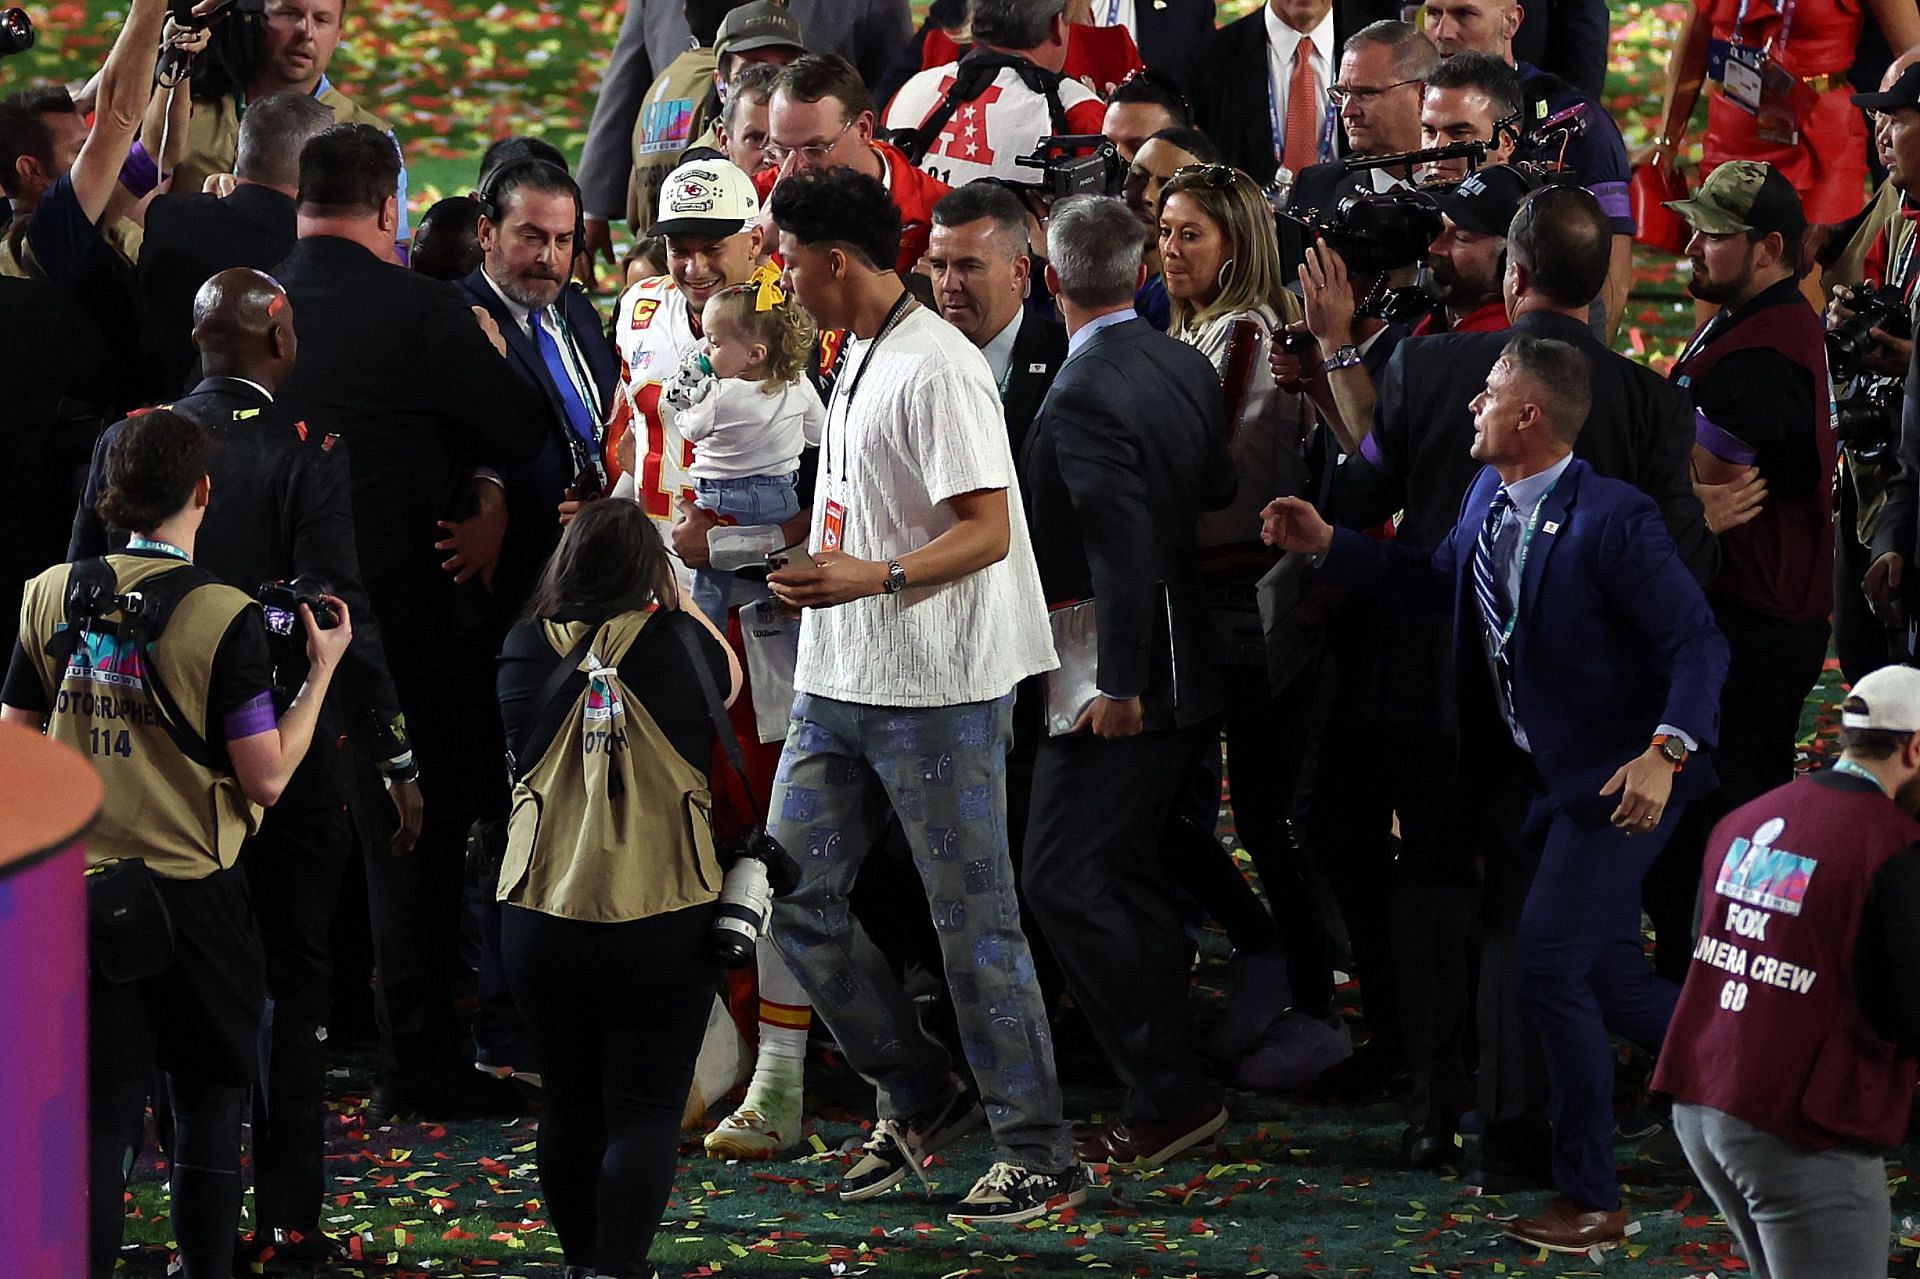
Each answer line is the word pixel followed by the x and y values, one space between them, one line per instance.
pixel 1215 177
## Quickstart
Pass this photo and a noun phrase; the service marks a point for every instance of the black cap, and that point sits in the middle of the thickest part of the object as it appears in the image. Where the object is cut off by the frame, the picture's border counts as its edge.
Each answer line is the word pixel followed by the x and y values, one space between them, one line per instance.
pixel 1486 199
pixel 1904 93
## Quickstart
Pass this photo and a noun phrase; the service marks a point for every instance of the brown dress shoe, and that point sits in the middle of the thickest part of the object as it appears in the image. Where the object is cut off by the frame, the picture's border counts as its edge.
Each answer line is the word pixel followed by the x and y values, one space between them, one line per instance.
pixel 1567 1227
pixel 1152 1141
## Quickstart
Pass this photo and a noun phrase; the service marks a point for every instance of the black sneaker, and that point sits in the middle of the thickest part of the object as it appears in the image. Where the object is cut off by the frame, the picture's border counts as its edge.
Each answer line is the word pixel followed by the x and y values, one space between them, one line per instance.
pixel 896 1149
pixel 1010 1193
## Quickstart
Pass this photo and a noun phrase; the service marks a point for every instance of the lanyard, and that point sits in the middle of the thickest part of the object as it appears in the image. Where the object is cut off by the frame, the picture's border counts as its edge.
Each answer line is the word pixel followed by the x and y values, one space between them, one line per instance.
pixel 1900 274
pixel 838 465
pixel 1852 769
pixel 1113 13
pixel 570 352
pixel 1327 124
pixel 1520 556
pixel 138 543
pixel 1778 45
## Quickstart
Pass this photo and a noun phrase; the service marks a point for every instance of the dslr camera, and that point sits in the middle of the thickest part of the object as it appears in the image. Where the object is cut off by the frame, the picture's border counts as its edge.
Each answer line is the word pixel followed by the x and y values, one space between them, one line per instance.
pixel 1851 341
pixel 758 869
pixel 282 600
pixel 1867 419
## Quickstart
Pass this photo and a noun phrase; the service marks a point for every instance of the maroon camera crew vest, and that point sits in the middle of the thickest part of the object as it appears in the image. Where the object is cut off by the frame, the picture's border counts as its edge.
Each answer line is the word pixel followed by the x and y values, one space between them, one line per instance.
pixel 1781 564
pixel 1769 1026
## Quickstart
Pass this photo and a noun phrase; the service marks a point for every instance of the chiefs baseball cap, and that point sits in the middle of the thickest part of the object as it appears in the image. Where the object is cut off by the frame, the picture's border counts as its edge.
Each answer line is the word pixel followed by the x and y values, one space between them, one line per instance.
pixel 1486 199
pixel 706 197
pixel 1888 699
pixel 759 25
pixel 1744 195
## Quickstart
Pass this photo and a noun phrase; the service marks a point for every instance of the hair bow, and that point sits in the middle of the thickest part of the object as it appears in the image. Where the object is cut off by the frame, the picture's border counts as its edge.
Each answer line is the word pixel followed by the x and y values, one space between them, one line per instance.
pixel 766 281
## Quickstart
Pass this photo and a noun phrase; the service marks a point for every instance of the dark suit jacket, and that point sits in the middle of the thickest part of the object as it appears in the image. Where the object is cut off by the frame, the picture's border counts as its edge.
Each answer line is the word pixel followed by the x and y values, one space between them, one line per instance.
pixel 189 239
pixel 1320 187
pixel 535 489
pixel 1416 460
pixel 1614 636
pixel 1231 102
pixel 1173 36
pixel 395 364
pixel 1127 451
pixel 1038 350
pixel 1568 38
pixel 281 506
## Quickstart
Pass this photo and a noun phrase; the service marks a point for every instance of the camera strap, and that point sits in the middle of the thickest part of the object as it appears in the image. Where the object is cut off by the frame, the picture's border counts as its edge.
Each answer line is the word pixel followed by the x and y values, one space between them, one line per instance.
pixel 972 76
pixel 717 712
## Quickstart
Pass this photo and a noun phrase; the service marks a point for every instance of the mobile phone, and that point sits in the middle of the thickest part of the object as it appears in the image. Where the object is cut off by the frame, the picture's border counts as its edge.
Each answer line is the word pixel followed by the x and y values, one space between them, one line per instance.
pixel 795 556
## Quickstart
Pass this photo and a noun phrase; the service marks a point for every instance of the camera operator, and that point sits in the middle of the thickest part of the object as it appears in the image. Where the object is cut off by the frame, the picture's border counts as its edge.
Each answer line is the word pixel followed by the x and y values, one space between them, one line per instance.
pixel 1640 430
pixel 1870 348
pixel 1594 152
pixel 1756 373
pixel 1383 73
pixel 287 46
pixel 607 889
pixel 280 511
pixel 164 683
pixel 973 118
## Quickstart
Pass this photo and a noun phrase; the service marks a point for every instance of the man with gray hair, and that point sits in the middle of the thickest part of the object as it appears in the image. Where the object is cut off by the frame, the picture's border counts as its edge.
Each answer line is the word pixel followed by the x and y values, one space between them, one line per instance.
pixel 191 237
pixel 975 117
pixel 1383 71
pixel 1127 451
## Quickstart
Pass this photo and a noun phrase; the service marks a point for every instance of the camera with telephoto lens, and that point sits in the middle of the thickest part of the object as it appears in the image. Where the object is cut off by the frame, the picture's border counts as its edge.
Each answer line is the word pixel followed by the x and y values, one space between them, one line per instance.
pixel 1075 164
pixel 1867 419
pixel 16 32
pixel 281 602
pixel 1851 341
pixel 758 870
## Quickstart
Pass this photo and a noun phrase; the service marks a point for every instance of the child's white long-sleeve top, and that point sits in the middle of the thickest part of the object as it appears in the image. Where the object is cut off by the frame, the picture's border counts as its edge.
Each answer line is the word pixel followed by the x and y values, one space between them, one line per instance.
pixel 738 428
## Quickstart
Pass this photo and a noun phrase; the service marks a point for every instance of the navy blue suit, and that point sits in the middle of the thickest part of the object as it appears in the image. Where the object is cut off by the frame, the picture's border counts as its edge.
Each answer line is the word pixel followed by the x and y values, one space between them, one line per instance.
pixel 1613 638
pixel 535 489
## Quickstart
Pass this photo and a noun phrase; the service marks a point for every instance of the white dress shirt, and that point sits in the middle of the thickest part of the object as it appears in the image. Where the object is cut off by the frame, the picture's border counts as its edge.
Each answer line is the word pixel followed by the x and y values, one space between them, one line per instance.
pixel 1281 42
pixel 999 351
pixel 562 333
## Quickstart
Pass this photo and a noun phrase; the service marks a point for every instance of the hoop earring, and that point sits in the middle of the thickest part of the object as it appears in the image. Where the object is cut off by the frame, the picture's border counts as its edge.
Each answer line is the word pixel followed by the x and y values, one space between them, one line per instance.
pixel 1225 275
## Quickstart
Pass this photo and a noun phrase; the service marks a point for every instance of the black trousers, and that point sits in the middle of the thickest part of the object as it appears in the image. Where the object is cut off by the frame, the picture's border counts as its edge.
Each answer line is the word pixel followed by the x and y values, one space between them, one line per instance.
pixel 1094 876
pixel 196 1023
pixel 1860 640
pixel 617 1013
pixel 293 868
pixel 1771 667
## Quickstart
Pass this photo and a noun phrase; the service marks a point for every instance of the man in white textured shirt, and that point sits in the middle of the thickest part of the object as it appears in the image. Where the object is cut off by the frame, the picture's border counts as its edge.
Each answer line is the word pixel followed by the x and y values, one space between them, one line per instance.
pixel 922 611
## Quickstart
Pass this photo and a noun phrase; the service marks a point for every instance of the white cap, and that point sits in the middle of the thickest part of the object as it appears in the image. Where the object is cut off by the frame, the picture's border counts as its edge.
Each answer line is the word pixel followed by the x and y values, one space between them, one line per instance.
pixel 706 197
pixel 1888 699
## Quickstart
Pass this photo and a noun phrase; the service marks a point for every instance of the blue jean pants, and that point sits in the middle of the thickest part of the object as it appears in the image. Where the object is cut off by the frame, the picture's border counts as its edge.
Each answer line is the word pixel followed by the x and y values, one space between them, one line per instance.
pixel 750 499
pixel 942 772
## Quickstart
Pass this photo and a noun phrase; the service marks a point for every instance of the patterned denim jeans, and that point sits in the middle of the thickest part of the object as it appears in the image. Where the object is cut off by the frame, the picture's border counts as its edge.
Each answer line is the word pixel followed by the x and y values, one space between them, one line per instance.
pixel 942 772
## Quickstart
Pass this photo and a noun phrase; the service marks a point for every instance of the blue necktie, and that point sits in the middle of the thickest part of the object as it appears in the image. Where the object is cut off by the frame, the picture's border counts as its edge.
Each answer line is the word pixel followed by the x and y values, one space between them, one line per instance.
pixel 578 415
pixel 1489 576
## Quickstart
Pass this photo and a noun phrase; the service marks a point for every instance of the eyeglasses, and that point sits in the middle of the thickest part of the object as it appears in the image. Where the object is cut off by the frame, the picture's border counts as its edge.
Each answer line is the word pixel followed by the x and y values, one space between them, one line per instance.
pixel 1215 177
pixel 1341 94
pixel 813 153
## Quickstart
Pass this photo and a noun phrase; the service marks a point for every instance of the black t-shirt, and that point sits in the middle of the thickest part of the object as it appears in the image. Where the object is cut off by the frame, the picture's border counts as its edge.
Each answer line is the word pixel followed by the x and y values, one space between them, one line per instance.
pixel 1767 402
pixel 242 674
pixel 655 670
pixel 74 254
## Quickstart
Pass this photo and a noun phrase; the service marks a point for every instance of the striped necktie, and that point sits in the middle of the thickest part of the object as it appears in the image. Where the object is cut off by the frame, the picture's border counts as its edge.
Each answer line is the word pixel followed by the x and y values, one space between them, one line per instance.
pixel 1489 579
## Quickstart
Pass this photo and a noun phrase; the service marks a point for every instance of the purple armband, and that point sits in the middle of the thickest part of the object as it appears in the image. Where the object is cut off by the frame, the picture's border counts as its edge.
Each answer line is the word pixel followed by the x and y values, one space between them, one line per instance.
pixel 138 173
pixel 256 716
pixel 1722 444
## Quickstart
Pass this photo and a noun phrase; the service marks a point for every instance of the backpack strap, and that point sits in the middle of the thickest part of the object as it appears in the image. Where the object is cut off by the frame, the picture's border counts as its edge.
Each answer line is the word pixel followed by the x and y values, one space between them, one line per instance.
pixel 717 712
pixel 973 74
pixel 93 591
pixel 549 709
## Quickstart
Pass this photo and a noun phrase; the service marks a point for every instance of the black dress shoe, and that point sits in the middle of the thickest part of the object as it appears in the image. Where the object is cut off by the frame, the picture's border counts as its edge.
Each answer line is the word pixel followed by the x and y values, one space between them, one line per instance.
pixel 1429 1146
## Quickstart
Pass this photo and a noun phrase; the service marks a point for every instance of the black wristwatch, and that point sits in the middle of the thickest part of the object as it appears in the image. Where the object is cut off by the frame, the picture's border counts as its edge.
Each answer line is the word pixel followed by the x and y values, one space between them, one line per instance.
pixel 896 578
pixel 1672 749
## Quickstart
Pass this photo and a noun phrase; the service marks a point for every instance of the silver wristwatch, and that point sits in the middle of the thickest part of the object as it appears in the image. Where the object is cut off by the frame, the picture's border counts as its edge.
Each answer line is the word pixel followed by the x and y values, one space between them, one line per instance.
pixel 1344 357
pixel 896 577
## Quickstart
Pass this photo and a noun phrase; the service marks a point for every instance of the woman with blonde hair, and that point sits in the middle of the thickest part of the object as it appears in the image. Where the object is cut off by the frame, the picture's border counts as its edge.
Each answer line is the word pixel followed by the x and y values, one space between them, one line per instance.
pixel 1221 263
